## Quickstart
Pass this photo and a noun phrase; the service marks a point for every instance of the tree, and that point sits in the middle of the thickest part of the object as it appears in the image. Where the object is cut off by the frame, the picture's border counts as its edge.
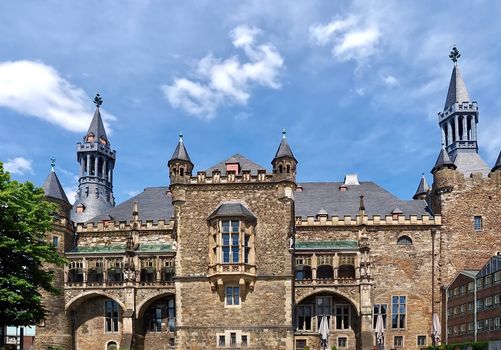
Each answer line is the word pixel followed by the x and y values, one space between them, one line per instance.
pixel 25 218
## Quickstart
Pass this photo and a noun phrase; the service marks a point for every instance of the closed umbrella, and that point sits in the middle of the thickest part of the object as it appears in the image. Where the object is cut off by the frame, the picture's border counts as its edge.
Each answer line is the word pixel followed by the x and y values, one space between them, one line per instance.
pixel 435 329
pixel 379 330
pixel 324 330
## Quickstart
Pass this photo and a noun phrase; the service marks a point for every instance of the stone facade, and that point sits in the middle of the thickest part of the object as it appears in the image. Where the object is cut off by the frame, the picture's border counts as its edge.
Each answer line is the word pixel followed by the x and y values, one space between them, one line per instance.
pixel 241 257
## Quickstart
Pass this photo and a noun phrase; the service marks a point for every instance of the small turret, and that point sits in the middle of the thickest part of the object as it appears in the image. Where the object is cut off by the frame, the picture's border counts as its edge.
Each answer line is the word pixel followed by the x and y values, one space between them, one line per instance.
pixel 443 161
pixel 180 165
pixel 423 189
pixel 284 163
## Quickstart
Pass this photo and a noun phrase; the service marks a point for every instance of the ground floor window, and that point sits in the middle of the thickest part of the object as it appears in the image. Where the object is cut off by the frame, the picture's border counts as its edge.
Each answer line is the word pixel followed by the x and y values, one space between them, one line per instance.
pixel 379 309
pixel 342 342
pixel 111 315
pixel 300 344
pixel 304 315
pixel 310 311
pixel 398 341
pixel 161 316
pixel 421 340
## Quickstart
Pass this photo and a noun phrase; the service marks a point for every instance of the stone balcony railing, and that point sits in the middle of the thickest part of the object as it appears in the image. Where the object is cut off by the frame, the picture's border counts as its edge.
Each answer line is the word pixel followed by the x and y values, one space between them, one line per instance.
pixel 328 282
pixel 232 269
pixel 116 284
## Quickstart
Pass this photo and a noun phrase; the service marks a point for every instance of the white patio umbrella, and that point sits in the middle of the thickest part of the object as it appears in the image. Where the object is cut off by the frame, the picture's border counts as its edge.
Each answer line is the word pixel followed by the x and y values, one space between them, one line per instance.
pixel 435 329
pixel 379 330
pixel 324 330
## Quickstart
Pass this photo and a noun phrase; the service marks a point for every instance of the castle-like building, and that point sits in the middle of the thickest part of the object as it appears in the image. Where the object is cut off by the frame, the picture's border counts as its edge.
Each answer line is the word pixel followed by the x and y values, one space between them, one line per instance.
pixel 241 256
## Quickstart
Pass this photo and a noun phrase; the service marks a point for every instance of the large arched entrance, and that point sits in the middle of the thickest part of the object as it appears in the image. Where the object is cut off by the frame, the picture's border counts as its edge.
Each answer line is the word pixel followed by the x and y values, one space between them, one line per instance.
pixel 96 321
pixel 342 317
pixel 156 321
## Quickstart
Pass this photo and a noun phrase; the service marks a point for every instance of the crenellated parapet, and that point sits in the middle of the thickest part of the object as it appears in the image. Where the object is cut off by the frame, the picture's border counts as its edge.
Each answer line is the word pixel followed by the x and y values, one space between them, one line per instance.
pixel 376 220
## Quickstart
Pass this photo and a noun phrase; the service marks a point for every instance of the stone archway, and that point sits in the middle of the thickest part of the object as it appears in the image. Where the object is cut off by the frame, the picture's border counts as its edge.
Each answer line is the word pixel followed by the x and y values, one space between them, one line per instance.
pixel 342 315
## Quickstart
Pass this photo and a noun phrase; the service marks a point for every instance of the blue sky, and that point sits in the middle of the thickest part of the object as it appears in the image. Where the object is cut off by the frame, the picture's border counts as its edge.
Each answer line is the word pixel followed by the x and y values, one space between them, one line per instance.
pixel 357 85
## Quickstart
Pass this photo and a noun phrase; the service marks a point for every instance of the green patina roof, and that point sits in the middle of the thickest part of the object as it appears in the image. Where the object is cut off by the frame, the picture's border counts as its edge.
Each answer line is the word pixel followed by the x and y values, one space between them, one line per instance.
pixel 116 248
pixel 327 245
pixel 155 248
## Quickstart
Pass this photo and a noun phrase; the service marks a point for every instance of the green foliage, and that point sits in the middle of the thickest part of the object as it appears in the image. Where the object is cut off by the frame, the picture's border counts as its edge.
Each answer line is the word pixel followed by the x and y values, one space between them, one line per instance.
pixel 24 220
pixel 333 347
pixel 481 345
pixel 306 347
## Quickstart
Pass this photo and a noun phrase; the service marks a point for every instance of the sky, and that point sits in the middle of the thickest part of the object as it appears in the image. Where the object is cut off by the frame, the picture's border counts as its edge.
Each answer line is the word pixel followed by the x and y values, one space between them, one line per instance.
pixel 357 85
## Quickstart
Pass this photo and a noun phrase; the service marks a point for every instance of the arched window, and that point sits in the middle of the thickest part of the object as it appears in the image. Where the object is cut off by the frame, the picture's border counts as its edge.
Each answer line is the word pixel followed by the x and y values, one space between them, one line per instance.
pixel 325 272
pixel 346 271
pixel 112 346
pixel 280 169
pixel 404 240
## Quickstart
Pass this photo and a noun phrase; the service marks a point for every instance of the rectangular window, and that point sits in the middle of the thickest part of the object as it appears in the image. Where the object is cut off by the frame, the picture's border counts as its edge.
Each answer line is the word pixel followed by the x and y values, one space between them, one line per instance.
pixel 497 322
pixel 233 296
pixel 111 315
pixel 470 326
pixel 233 339
pixel 222 341
pixel 497 299
pixel 488 281
pixel 304 315
pixel 462 290
pixel 245 342
pixel 462 328
pixel 462 308
pixel 497 277
pixel 342 314
pixel 230 241
pixel 246 248
pixel 471 286
pixel 300 344
pixel 480 283
pixel 323 308
pixel 480 325
pixel 480 304
pixel 398 341
pixel 477 223
pixel 488 302
pixel 342 342
pixel 398 311
pixel 470 306
pixel 379 309
pixel 421 340
pixel 55 241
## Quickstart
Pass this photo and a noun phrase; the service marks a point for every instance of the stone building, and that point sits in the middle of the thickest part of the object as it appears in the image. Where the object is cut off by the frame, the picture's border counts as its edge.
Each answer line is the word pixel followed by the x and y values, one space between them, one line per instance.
pixel 242 256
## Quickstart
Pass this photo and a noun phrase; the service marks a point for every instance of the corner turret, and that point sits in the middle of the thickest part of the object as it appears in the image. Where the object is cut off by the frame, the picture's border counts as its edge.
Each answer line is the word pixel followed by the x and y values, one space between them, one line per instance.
pixel 180 165
pixel 284 163
pixel 97 160
pixel 423 189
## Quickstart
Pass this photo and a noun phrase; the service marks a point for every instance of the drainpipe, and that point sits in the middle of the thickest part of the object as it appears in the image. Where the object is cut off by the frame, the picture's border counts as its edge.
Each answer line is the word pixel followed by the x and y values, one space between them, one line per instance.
pixel 446 314
pixel 433 232
pixel 475 308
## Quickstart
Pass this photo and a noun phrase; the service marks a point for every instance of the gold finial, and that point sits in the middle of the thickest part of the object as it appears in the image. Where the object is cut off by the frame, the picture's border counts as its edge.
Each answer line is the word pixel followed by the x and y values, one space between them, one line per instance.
pixel 454 55
pixel 98 101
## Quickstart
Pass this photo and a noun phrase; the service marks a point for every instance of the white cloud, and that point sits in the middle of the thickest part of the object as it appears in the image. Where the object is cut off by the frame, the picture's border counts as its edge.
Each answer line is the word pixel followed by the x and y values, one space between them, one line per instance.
pixel 390 80
pixel 38 90
pixel 352 38
pixel 71 193
pixel 229 80
pixel 19 165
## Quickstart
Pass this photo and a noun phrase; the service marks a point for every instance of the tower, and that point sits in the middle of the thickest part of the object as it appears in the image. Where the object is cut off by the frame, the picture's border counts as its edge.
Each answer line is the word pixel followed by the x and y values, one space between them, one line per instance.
pixel 423 190
pixel 97 160
pixel 284 163
pixel 180 165
pixel 458 123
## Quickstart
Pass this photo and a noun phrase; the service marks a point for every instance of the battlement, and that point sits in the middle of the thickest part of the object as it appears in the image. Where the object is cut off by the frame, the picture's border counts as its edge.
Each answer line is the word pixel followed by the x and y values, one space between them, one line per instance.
pixel 115 226
pixel 376 220
pixel 463 107
pixel 95 146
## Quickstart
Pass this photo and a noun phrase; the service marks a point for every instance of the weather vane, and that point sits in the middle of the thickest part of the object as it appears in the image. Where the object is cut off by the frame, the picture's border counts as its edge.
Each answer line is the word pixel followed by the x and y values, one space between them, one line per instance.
pixel 52 163
pixel 454 55
pixel 98 101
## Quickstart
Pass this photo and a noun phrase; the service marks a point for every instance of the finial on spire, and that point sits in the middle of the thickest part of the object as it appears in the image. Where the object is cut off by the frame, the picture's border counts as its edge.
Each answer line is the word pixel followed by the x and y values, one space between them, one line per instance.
pixel 98 101
pixel 52 164
pixel 454 55
pixel 283 133
pixel 180 136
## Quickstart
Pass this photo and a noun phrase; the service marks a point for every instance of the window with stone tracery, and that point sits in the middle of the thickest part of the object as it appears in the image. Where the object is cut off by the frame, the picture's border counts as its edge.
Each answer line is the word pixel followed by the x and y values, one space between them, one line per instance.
pixel 232 242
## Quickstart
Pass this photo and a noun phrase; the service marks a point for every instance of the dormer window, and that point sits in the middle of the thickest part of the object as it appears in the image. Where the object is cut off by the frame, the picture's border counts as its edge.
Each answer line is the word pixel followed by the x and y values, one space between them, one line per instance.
pixel 80 208
pixel 103 140
pixel 90 137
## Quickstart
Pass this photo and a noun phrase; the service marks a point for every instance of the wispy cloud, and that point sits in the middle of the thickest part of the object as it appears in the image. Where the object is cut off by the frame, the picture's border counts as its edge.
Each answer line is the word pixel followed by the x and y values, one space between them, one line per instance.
pixel 352 38
pixel 19 166
pixel 227 81
pixel 71 193
pixel 390 80
pixel 38 90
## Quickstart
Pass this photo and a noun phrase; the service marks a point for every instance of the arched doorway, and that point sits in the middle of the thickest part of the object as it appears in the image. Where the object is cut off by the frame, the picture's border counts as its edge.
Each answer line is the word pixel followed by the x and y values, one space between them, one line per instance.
pixel 156 321
pixel 342 317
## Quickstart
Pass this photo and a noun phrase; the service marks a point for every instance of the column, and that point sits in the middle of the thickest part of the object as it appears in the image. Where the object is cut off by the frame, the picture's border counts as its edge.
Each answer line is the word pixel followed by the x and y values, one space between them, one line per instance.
pixel 81 166
pixel 449 133
pixel 88 164
pixel 474 128
pixel 456 127
pixel 96 166
pixel 442 128
pixel 465 129
pixel 103 173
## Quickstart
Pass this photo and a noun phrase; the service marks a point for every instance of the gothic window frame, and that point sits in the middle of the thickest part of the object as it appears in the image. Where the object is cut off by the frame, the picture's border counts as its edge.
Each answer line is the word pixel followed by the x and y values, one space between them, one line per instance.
pixel 111 316
pixel 399 311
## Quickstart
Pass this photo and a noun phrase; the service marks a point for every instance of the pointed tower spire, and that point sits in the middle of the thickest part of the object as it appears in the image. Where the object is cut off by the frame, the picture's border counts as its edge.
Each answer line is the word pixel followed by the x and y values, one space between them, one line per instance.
pixel 180 165
pixel 458 123
pixel 423 189
pixel 97 160
pixel 284 163
pixel 443 161
pixel 52 187
pixel 284 149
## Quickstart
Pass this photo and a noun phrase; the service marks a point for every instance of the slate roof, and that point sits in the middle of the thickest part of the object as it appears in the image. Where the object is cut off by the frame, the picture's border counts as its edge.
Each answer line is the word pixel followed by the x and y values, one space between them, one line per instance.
pixel 53 189
pixel 284 149
pixel 470 162
pixel 153 204
pixel 498 163
pixel 232 209
pixel 443 160
pixel 96 127
pixel 377 201
pixel 245 164
pixel 423 187
pixel 180 153
pixel 457 90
